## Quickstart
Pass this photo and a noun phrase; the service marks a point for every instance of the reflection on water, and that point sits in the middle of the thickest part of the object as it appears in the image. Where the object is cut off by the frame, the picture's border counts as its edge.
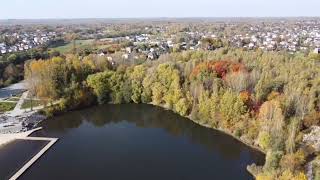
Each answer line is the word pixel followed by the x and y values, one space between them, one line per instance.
pixel 111 131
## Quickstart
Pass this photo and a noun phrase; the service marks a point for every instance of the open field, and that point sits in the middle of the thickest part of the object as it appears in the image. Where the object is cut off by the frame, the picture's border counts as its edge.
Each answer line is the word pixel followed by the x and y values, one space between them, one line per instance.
pixel 79 44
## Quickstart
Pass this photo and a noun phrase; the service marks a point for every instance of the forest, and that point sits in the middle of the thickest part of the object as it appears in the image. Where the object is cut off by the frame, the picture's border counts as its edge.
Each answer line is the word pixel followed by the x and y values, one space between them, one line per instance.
pixel 12 64
pixel 269 100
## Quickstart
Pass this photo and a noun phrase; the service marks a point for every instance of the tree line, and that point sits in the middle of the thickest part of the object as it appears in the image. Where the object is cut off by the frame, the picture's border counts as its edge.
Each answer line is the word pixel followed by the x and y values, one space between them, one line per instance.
pixel 266 99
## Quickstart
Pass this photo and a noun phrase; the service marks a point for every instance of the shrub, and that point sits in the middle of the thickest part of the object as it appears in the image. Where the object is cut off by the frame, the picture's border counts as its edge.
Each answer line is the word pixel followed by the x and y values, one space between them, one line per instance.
pixel 264 140
pixel 272 160
pixel 293 161
pixel 311 120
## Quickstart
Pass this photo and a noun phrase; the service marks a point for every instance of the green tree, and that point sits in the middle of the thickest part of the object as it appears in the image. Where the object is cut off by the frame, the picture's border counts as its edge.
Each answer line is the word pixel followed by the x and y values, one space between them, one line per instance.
pixel 137 77
pixel 12 58
pixel 100 84
pixel 232 108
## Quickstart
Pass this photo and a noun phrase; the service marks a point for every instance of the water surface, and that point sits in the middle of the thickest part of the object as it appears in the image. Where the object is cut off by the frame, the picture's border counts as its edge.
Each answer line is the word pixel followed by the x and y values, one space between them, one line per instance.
pixel 17 153
pixel 138 142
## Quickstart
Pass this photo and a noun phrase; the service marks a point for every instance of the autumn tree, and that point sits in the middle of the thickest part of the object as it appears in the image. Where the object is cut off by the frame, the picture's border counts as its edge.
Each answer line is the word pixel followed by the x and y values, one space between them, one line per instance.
pixel 232 108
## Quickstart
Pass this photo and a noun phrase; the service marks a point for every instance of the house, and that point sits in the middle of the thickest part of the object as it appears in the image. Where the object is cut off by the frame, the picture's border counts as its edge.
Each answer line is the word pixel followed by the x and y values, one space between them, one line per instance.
pixel 125 56
pixel 129 50
pixel 101 54
pixel 251 45
pixel 3 51
pixel 152 55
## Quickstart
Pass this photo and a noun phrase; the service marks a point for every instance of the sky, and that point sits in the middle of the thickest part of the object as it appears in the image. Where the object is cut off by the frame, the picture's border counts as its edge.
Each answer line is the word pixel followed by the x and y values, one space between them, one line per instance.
pixel 43 9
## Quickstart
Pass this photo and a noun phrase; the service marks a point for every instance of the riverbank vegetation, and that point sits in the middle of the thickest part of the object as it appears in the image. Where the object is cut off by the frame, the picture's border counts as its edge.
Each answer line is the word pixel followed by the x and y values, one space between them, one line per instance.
pixel 267 99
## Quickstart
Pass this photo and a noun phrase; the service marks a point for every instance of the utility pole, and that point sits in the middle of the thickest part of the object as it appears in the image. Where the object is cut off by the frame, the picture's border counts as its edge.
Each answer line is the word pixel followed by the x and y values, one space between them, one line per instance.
pixel 31 56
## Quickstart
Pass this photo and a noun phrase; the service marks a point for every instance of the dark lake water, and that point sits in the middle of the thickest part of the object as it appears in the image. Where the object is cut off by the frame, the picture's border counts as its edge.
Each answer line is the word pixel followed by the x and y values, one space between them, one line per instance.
pixel 14 155
pixel 138 142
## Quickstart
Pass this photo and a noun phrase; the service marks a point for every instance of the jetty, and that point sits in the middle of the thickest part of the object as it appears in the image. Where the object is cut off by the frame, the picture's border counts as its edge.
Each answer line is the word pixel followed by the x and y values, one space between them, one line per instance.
pixel 51 141
pixel 7 138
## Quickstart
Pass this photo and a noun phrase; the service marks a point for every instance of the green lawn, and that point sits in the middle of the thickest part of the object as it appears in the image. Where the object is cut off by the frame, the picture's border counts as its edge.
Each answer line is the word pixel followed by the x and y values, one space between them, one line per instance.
pixel 7 106
pixel 13 99
pixel 79 44
pixel 27 104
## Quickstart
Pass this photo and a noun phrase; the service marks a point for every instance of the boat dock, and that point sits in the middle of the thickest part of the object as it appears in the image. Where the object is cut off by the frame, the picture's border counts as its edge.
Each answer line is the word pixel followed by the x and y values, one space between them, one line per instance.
pixel 51 141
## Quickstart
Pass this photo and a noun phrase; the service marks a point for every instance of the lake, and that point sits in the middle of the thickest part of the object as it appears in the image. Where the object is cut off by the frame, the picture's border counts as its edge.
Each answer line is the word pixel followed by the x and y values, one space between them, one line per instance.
pixel 138 142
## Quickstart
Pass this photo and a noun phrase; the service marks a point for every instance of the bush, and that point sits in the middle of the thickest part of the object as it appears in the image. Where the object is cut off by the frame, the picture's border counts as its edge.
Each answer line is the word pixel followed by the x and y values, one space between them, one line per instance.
pixel 294 161
pixel 311 120
pixel 264 140
pixel 272 160
pixel 288 175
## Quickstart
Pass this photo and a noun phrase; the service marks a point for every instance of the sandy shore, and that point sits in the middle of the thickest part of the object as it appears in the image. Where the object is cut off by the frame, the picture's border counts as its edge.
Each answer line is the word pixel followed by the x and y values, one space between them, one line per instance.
pixel 7 138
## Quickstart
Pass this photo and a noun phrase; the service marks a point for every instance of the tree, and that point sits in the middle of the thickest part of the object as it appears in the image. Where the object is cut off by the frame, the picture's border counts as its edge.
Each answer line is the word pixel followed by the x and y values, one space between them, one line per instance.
pixel 100 84
pixel 238 81
pixel 271 114
pixel 183 106
pixel 157 93
pixel 11 71
pixel 137 77
pixel 72 37
pixel 272 121
pixel 12 58
pixel 208 107
pixel 293 129
pixel 232 108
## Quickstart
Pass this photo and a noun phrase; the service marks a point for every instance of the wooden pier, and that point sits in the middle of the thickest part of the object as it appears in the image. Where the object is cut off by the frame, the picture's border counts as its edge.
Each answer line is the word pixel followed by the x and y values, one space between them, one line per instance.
pixel 51 142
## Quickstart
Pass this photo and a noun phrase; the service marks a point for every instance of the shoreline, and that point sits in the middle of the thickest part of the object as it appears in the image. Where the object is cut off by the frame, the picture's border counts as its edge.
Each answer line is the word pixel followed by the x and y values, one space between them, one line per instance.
pixel 229 134
pixel 8 138
pixel 217 129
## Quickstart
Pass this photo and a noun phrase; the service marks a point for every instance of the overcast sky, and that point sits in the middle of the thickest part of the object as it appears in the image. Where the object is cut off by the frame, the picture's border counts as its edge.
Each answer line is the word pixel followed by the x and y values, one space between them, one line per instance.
pixel 35 9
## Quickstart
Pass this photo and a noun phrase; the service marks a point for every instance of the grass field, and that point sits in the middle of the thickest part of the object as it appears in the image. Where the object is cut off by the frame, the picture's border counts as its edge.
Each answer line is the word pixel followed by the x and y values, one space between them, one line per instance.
pixel 79 44
pixel 7 106
pixel 27 104
pixel 14 99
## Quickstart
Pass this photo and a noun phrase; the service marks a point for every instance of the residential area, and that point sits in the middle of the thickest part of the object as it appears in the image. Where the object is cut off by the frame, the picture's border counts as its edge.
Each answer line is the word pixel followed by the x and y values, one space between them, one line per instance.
pixel 152 40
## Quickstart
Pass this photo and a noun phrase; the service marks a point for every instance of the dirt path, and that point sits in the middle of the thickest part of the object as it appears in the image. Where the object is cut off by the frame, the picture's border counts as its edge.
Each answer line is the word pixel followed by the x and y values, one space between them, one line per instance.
pixel 17 111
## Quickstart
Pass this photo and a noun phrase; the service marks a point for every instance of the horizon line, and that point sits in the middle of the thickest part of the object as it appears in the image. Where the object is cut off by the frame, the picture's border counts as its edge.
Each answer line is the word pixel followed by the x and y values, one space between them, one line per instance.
pixel 158 17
